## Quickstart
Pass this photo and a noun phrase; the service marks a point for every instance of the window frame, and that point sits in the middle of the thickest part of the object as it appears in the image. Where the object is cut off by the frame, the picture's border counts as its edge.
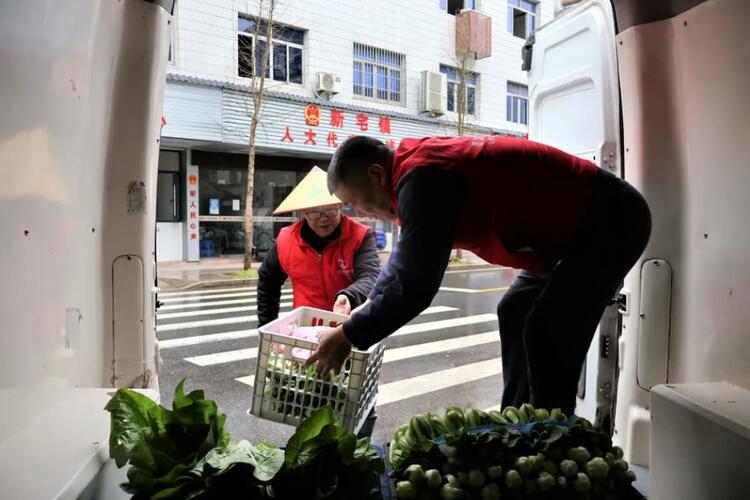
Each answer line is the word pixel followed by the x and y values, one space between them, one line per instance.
pixel 517 97
pixel 274 42
pixel 377 65
pixel 172 50
pixel 178 188
pixel 530 15
pixel 449 71
pixel 467 4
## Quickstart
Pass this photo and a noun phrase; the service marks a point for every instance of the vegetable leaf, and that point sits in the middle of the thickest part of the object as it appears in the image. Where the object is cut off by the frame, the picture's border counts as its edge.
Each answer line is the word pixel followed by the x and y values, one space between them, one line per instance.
pixel 308 430
pixel 130 417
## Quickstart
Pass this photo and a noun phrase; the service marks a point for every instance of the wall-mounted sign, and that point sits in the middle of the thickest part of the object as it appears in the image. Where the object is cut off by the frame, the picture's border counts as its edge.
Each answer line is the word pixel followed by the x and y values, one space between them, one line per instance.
pixel 337 121
pixel 213 206
pixel 312 115
pixel 193 221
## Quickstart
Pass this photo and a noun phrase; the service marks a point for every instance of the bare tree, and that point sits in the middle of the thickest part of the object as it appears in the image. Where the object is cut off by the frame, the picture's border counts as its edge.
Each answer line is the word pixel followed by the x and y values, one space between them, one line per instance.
pixel 263 29
pixel 464 60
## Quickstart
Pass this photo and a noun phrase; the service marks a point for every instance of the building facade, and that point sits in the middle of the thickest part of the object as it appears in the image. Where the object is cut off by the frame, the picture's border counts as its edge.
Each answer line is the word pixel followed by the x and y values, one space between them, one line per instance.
pixel 386 69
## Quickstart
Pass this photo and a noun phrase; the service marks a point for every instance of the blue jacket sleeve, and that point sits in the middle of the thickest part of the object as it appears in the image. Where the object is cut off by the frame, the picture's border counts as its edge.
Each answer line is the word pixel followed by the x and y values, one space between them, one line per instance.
pixel 430 202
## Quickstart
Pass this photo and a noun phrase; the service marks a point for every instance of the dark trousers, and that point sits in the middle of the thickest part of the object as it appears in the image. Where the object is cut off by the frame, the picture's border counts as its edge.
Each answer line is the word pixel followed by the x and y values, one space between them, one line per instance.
pixel 547 320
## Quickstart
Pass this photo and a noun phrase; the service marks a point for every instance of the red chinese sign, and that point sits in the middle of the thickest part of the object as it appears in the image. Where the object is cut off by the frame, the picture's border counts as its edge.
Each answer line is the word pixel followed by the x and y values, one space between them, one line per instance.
pixel 385 124
pixel 310 137
pixel 192 201
pixel 362 122
pixel 336 120
pixel 287 136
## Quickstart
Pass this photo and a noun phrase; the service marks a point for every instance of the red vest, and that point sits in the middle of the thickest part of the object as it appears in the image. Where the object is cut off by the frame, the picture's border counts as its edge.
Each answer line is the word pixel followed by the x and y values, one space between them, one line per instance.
pixel 522 195
pixel 317 278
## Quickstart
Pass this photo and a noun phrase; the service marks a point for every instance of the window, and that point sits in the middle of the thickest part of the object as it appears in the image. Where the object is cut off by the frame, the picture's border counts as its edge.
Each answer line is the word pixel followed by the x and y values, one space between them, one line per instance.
pixel 455 6
pixel 285 52
pixel 518 103
pixel 471 78
pixel 173 35
pixel 521 17
pixel 378 74
pixel 168 187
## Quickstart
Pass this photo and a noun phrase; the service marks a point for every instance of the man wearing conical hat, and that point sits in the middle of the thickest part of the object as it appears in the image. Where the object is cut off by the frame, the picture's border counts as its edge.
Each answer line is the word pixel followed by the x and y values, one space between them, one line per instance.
pixel 331 259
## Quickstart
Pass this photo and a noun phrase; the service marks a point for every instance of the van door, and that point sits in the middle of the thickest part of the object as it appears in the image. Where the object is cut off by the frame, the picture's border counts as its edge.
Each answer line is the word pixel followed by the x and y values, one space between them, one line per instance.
pixel 574 105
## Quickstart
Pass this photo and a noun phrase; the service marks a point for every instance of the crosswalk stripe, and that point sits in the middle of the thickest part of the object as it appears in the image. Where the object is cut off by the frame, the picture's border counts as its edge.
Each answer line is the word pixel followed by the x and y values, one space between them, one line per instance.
pixel 483 270
pixel 248 380
pixel 435 347
pixel 193 298
pixel 211 312
pixel 206 339
pixel 445 323
pixel 206 290
pixel 472 290
pixel 244 319
pixel 431 382
pixel 206 322
pixel 218 358
pixel 389 356
pixel 214 303
pixel 243 334
pixel 424 384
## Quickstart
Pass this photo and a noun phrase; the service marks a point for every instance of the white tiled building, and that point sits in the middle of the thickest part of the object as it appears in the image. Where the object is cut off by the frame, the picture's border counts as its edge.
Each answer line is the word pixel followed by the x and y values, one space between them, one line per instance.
pixel 376 54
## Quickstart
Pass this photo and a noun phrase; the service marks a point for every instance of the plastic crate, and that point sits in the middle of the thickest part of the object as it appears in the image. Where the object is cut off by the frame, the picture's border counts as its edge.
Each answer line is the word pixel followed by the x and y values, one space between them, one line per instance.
pixel 283 392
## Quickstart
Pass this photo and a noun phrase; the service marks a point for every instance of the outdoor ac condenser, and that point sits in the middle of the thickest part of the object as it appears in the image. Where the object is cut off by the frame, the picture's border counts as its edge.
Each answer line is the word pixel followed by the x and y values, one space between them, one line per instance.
pixel 433 93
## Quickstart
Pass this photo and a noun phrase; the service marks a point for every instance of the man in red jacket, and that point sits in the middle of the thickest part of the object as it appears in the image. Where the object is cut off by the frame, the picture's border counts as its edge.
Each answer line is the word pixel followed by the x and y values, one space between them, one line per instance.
pixel 331 260
pixel 574 230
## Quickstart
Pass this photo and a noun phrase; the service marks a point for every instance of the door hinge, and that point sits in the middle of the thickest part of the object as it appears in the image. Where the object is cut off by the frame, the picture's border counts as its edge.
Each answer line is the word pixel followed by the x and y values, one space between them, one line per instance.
pixel 603 346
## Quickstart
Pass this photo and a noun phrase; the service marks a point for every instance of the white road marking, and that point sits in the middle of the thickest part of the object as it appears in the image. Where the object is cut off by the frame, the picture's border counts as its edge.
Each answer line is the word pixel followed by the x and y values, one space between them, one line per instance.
pixel 206 339
pixel 248 380
pixel 446 323
pixel 390 355
pixel 423 349
pixel 491 408
pixel 481 270
pixel 436 381
pixel 212 312
pixel 461 290
pixel 206 290
pixel 210 295
pixel 245 319
pixel 206 297
pixel 224 357
pixel 206 322
pixel 214 303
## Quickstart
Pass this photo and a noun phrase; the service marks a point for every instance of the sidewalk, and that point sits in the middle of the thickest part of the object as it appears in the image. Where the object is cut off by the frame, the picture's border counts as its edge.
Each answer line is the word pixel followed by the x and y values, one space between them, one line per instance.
pixel 222 271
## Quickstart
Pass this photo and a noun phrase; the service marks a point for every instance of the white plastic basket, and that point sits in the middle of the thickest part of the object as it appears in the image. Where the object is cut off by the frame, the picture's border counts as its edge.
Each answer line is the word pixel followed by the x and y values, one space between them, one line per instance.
pixel 283 392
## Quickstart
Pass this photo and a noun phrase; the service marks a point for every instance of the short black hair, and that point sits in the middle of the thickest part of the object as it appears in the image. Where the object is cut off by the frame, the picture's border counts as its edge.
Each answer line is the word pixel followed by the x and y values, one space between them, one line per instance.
pixel 352 158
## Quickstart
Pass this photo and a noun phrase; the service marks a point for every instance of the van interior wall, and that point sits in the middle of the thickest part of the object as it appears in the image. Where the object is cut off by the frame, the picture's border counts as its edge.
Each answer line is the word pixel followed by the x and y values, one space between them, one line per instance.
pixel 78 148
pixel 685 104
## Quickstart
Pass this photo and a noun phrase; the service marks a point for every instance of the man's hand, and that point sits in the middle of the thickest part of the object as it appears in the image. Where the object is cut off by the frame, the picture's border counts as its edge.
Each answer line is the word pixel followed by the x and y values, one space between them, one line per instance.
pixel 342 305
pixel 332 351
pixel 360 307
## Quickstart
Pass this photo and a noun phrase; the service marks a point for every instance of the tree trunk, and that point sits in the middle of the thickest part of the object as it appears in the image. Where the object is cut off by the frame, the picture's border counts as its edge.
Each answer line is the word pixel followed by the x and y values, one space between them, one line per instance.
pixel 248 222
pixel 257 89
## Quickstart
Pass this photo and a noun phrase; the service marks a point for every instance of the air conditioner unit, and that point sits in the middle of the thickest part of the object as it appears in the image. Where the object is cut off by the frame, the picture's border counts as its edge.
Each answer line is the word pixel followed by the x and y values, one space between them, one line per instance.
pixel 434 90
pixel 327 83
